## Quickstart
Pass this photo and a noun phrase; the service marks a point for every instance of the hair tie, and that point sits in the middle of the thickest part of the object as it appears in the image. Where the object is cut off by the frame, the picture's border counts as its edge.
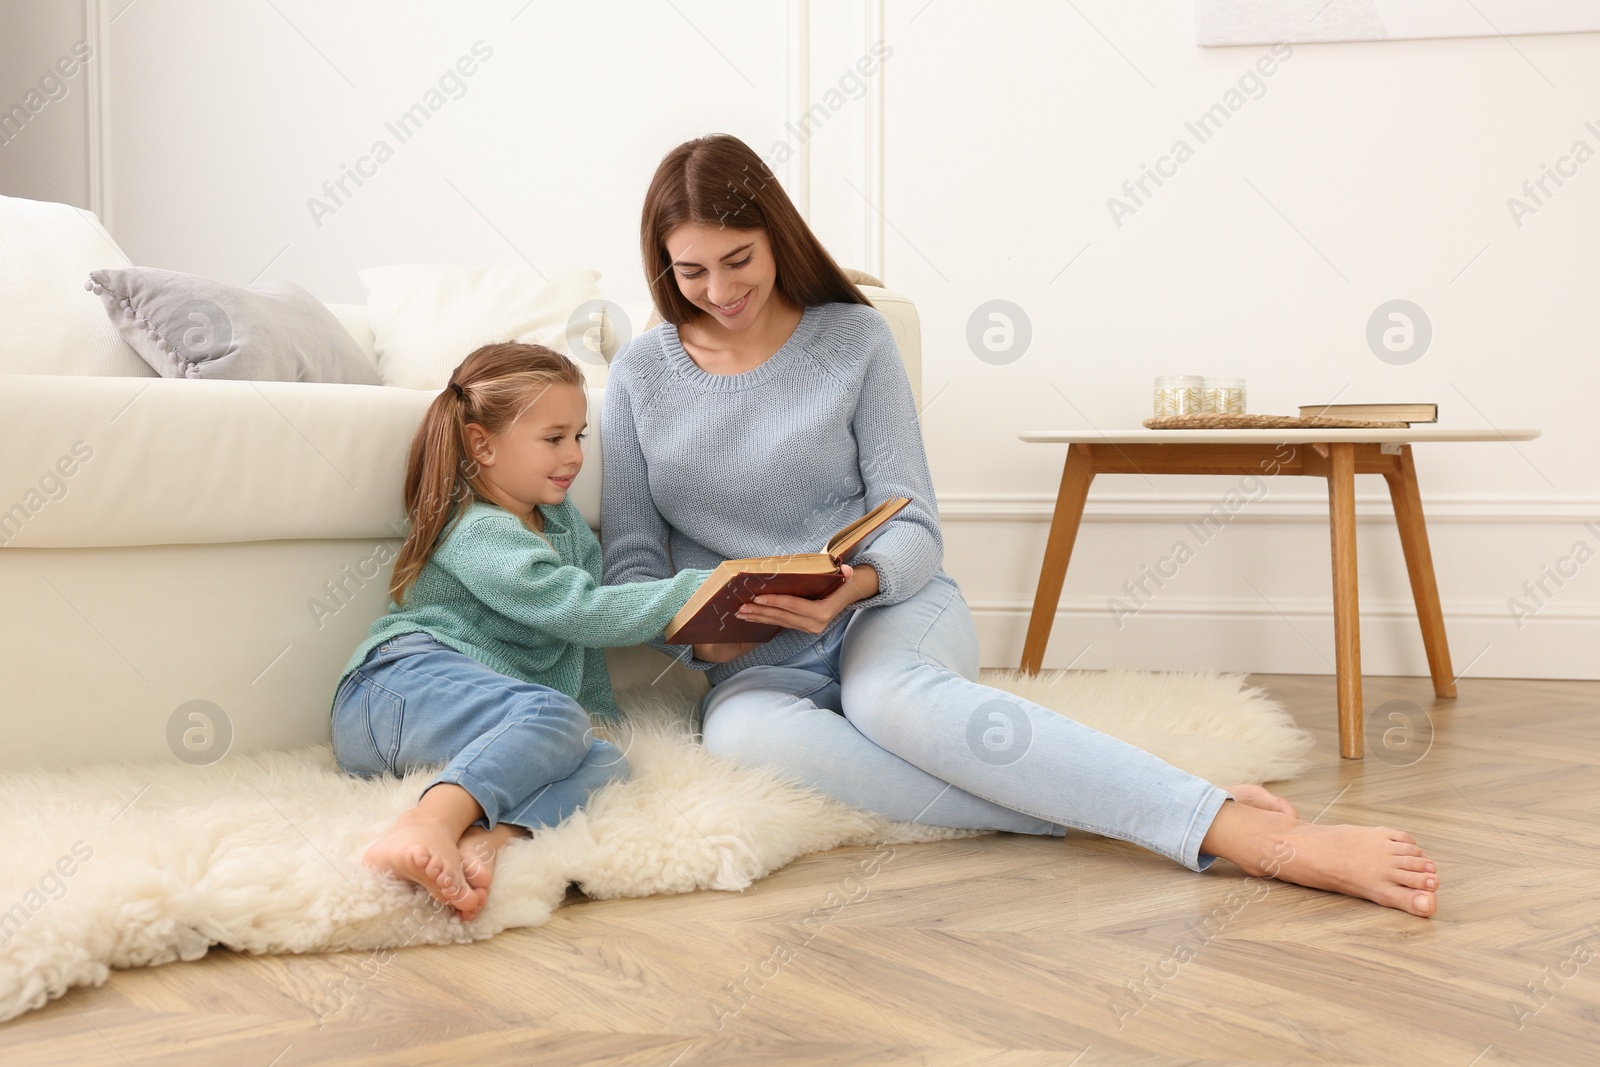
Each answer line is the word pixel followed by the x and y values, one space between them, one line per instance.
pixel 460 393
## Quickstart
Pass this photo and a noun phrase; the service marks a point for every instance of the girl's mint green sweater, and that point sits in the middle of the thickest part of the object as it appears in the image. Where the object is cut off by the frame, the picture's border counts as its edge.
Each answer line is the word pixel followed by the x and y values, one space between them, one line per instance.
pixel 531 607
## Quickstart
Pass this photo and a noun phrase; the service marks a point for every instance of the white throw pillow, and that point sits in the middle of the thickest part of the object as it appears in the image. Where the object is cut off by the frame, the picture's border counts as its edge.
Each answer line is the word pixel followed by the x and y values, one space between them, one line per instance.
pixel 48 324
pixel 427 319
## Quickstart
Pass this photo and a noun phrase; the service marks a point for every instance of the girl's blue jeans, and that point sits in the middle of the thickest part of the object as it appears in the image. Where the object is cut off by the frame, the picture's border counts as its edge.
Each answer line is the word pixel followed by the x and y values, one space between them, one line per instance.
pixel 885 713
pixel 525 752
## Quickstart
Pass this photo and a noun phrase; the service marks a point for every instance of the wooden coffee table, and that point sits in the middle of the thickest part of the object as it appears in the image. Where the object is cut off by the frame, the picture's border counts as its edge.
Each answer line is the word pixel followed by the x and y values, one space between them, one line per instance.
pixel 1337 455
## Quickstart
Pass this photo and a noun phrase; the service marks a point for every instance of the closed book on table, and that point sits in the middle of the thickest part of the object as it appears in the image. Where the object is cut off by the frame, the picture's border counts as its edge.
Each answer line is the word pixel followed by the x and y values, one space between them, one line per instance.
pixel 1375 412
pixel 710 616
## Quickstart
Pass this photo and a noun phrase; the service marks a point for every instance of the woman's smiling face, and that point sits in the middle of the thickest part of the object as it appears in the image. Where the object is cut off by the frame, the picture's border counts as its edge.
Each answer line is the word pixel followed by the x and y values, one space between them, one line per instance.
pixel 729 274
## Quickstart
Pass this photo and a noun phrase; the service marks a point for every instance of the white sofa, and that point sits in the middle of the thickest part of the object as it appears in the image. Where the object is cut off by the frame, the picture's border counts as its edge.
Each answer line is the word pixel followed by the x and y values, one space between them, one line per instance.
pixel 170 541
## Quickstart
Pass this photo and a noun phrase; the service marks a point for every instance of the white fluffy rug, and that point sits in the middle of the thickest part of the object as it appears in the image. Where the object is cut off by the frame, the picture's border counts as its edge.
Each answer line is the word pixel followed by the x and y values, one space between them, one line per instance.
pixel 131 866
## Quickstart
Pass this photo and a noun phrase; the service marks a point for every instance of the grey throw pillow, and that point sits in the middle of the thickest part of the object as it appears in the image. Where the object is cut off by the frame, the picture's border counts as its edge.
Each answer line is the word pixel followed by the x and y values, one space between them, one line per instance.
pixel 186 326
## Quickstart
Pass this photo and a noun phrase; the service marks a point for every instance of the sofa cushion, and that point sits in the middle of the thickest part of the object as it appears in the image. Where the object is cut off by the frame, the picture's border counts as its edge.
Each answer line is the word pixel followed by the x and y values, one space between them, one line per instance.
pixel 46 324
pixel 427 318
pixel 186 326
pixel 100 461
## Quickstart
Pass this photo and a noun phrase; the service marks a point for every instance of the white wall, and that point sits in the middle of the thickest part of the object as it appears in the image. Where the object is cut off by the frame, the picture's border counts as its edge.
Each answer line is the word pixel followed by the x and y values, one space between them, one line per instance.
pixel 1361 174
pixel 974 162
pixel 44 108
pixel 543 156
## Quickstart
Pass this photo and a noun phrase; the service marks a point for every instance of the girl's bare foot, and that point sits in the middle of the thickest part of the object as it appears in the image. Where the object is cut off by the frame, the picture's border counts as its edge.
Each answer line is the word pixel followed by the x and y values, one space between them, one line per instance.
pixel 422 847
pixel 1257 797
pixel 423 850
pixel 480 851
pixel 1371 862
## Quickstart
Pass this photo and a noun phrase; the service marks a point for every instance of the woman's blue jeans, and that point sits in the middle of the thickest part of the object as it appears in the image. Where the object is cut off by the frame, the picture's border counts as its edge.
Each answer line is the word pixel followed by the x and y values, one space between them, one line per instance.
pixel 886 714
pixel 525 752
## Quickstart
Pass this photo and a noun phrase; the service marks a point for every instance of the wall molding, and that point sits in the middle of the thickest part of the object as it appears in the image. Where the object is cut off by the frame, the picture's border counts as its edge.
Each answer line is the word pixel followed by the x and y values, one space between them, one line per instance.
pixel 1290 630
pixel 1261 643
pixel 97 31
pixel 1185 507
pixel 797 97
pixel 872 155
pixel 828 35
pixel 1308 609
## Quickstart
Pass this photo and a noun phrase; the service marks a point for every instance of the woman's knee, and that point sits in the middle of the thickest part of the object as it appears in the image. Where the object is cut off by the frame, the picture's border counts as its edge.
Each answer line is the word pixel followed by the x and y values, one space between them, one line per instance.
pixel 750 729
pixel 889 682
pixel 890 705
pixel 752 718
pixel 731 727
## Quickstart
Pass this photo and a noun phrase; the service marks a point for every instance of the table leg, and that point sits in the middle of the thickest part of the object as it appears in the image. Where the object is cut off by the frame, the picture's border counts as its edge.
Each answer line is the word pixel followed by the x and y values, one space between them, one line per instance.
pixel 1419 565
pixel 1076 474
pixel 1346 609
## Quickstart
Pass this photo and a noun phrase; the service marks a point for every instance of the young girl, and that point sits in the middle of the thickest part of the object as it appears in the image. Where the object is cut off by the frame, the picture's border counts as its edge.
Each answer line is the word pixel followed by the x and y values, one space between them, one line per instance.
pixel 772 363
pixel 491 655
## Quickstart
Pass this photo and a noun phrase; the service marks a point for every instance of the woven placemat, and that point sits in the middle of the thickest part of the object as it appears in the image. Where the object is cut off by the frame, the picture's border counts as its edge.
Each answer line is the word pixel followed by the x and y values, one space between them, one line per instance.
pixel 1221 421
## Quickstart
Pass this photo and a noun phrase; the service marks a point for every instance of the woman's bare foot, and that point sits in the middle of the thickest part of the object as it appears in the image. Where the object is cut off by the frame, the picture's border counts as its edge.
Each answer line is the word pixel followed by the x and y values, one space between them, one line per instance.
pixel 423 850
pixel 1258 797
pixel 1371 862
pixel 480 851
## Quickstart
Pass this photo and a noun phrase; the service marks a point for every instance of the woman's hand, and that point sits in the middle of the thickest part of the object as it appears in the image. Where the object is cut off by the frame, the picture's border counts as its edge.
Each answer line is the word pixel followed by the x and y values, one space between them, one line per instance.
pixel 722 652
pixel 812 616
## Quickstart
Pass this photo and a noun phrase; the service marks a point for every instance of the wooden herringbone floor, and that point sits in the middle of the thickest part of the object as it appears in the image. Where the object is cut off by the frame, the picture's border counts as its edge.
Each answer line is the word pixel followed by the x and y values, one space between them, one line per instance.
pixel 1000 950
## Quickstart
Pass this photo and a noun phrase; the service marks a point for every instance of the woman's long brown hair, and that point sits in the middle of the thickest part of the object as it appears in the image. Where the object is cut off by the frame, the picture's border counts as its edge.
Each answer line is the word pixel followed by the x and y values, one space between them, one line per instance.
pixel 720 180
pixel 497 383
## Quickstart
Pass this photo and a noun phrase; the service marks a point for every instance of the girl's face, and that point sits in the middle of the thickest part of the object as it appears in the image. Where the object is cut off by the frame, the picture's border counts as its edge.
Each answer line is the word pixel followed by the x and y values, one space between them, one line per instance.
pixel 729 274
pixel 534 460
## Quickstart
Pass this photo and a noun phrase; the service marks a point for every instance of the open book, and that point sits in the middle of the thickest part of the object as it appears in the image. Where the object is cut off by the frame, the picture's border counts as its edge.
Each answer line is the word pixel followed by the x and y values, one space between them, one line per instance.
pixel 709 616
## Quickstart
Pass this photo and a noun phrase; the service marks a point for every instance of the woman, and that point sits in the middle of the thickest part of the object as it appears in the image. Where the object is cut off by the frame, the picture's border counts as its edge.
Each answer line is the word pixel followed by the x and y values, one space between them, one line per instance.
pixel 768 410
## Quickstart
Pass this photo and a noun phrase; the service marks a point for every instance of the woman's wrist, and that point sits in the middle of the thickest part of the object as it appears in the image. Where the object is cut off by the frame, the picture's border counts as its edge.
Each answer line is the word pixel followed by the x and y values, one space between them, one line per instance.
pixel 722 652
pixel 862 583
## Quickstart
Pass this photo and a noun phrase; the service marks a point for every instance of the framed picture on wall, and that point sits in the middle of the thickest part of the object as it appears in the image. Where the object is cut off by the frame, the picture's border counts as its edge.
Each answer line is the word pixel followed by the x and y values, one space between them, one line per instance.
pixel 1229 22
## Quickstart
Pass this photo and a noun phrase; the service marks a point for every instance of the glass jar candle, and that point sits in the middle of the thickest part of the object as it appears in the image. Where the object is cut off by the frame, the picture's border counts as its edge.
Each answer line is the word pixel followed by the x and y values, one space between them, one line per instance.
pixel 1225 396
pixel 1181 394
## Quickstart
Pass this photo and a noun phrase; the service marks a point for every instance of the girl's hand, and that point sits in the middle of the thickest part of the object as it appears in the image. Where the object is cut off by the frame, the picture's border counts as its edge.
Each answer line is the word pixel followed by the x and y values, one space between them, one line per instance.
pixel 813 616
pixel 723 651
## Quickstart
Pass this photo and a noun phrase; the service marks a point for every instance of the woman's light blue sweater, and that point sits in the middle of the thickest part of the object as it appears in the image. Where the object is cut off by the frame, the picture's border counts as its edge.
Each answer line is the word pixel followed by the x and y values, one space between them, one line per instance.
pixel 703 467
